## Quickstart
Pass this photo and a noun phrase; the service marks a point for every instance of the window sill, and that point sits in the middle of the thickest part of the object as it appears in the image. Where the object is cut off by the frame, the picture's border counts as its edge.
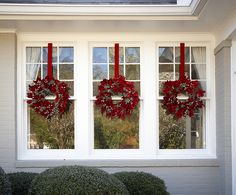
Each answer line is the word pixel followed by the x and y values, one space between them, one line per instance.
pixel 119 163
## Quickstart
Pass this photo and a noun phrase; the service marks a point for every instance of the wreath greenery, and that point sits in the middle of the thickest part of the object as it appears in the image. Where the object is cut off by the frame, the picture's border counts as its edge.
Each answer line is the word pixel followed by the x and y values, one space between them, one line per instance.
pixel 42 88
pixel 117 87
pixel 182 108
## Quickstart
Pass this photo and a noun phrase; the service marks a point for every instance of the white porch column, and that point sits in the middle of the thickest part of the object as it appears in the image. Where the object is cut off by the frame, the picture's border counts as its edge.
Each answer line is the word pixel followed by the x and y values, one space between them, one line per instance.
pixel 233 110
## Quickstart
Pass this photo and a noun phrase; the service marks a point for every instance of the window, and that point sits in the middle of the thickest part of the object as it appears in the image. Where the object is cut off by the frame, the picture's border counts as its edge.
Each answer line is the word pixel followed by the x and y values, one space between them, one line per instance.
pixel 83 133
pixel 56 133
pixel 185 133
pixel 116 133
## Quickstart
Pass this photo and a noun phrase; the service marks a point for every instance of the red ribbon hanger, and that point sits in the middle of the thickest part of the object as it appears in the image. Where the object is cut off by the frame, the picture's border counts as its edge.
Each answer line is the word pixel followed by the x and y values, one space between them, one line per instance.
pixel 182 61
pixel 117 57
pixel 50 60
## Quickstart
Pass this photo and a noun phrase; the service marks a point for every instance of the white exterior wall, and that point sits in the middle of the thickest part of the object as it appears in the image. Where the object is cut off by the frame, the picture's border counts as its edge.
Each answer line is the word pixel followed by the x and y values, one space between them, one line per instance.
pixel 7 101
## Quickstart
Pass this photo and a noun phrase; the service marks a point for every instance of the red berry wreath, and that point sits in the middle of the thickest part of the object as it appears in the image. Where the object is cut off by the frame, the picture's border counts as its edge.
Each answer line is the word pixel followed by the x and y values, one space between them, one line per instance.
pixel 40 89
pixel 117 87
pixel 186 107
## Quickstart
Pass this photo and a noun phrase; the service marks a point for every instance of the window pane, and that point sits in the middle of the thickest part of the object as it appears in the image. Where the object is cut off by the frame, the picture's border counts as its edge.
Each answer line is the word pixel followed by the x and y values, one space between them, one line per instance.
pixel 177 55
pixel 184 133
pixel 99 55
pixel 27 85
pixel 166 72
pixel 57 133
pixel 198 71
pixel 111 54
pixel 33 71
pixel 66 54
pixel 71 86
pixel 161 85
pixel 116 133
pixel 54 70
pixel 166 54
pixel 99 71
pixel 66 71
pixel 186 70
pixel 95 88
pixel 132 54
pixel 137 86
pixel 203 86
pixel 111 70
pixel 45 55
pixel 198 55
pixel 33 54
pixel 132 72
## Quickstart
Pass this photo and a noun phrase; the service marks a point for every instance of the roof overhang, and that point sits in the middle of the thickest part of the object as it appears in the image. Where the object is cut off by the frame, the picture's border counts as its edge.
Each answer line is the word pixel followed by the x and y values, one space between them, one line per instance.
pixel 184 10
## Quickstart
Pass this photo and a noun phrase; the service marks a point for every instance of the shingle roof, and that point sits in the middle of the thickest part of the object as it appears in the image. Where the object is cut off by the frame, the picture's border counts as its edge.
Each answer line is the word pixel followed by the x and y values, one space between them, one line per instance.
pixel 157 2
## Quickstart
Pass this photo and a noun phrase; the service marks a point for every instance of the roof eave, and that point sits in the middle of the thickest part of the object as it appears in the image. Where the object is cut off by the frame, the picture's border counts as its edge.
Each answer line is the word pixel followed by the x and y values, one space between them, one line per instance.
pixel 106 12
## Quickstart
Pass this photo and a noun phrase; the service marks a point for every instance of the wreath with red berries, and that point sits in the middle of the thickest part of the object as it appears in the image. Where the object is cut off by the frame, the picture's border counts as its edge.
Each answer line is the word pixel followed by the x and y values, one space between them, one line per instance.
pixel 182 86
pixel 109 88
pixel 185 107
pixel 49 86
pixel 41 89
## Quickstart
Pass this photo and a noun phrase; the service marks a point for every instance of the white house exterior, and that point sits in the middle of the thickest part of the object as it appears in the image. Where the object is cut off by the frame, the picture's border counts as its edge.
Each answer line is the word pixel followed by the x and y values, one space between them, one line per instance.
pixel 83 35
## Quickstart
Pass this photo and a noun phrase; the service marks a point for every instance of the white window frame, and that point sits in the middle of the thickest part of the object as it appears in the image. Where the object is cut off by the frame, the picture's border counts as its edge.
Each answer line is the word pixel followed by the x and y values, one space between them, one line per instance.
pixel 23 149
pixel 148 132
pixel 208 147
pixel 119 153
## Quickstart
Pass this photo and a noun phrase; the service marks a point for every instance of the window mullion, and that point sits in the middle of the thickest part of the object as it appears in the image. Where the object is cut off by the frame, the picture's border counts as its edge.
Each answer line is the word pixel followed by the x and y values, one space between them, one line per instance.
pixel 82 111
pixel 148 133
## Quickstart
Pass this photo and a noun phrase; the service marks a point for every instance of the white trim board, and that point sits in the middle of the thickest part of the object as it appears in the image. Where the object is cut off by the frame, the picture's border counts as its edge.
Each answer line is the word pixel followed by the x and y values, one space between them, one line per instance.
pixel 119 163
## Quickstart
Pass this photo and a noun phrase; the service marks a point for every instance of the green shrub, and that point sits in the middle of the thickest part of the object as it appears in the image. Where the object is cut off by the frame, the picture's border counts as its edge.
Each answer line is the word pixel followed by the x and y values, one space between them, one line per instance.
pixel 20 182
pixel 76 180
pixel 142 183
pixel 5 187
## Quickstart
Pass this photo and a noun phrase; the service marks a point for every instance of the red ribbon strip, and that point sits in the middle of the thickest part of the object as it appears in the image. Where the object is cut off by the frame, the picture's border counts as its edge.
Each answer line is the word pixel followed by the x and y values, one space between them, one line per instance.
pixel 50 60
pixel 182 61
pixel 117 53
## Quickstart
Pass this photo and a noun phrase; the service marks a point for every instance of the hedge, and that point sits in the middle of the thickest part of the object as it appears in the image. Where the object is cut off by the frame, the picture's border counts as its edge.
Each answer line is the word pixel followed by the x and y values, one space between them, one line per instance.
pixel 76 180
pixel 20 182
pixel 140 183
pixel 5 187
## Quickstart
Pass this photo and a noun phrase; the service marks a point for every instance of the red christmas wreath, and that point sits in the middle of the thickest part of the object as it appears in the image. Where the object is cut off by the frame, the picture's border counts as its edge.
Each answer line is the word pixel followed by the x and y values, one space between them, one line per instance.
pixel 184 86
pixel 186 107
pixel 117 86
pixel 42 88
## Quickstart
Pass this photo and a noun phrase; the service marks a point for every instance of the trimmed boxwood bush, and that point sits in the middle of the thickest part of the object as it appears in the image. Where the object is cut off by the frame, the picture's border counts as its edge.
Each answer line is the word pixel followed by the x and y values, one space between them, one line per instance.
pixel 5 187
pixel 140 183
pixel 76 180
pixel 20 182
